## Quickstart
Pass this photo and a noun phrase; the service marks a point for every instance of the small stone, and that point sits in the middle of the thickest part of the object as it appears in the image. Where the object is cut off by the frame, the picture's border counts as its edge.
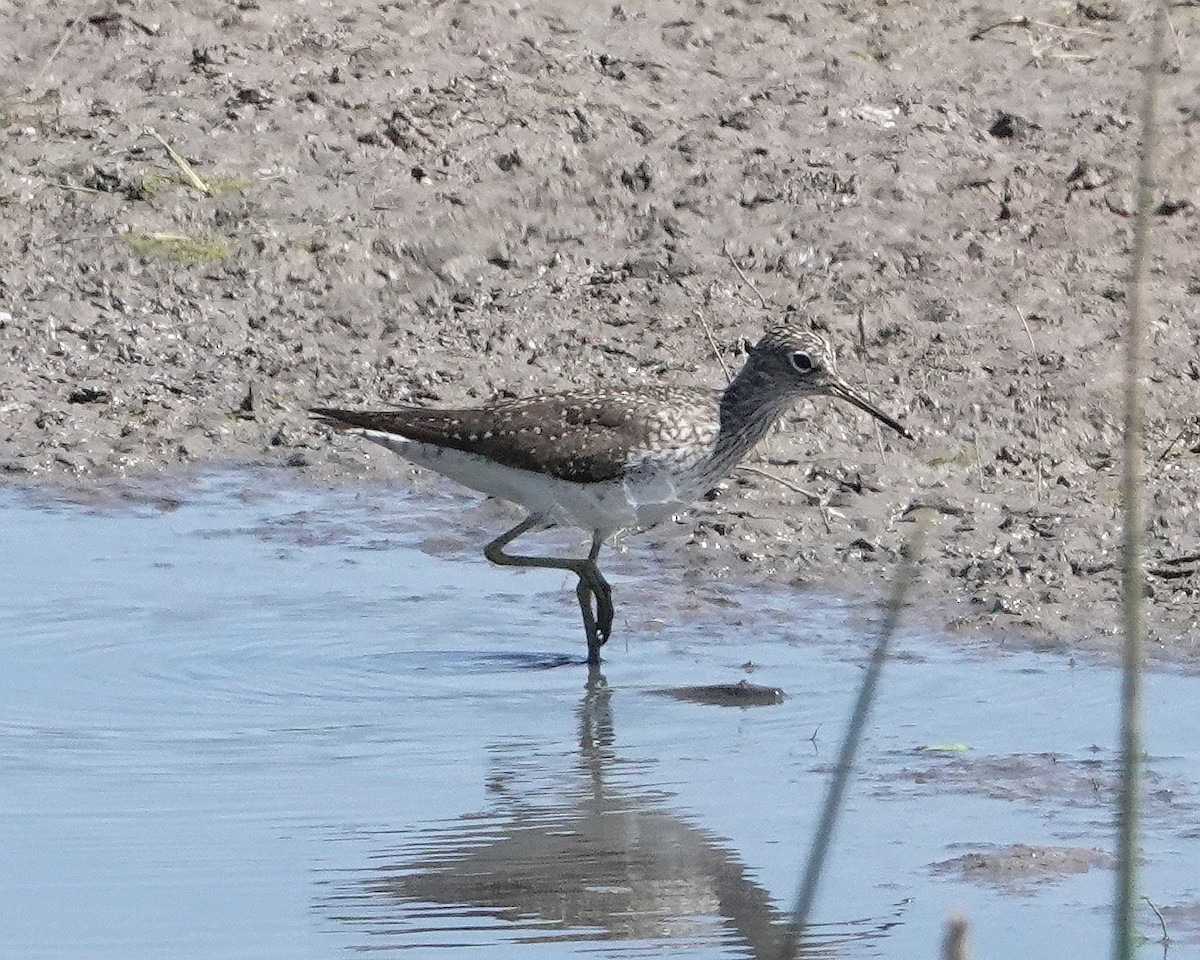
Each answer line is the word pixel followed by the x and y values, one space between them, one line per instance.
pixel 1008 126
pixel 89 395
pixel 638 179
pixel 509 161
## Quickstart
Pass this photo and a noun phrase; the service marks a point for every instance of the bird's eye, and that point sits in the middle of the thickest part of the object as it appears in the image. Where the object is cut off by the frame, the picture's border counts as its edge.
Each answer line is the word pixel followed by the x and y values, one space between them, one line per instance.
pixel 802 361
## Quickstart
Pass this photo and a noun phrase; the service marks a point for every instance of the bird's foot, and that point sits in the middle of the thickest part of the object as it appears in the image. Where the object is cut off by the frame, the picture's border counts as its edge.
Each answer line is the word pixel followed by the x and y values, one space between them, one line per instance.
pixel 604 611
pixel 593 585
pixel 597 624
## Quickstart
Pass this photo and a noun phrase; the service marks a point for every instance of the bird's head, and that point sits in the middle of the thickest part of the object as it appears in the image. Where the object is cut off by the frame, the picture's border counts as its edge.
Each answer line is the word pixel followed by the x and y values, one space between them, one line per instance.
pixel 801 363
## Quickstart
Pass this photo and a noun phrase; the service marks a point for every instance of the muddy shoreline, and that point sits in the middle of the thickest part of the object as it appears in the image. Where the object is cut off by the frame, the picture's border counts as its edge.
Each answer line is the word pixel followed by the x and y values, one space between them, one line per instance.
pixel 446 202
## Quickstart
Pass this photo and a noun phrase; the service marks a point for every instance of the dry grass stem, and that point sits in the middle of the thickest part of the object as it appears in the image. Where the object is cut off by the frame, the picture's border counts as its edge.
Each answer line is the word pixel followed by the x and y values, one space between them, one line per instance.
pixel 1125 936
pixel 957 945
pixel 77 188
pixel 189 172
pixel 1166 937
pixel 713 343
pixel 741 273
pixel 1037 411
pixel 1171 446
pixel 861 344
pixel 831 810
pixel 813 498
pixel 1028 23
pixel 62 42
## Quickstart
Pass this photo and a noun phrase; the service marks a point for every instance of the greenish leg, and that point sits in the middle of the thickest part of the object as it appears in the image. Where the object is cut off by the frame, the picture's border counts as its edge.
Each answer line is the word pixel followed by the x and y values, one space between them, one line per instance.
pixel 597 625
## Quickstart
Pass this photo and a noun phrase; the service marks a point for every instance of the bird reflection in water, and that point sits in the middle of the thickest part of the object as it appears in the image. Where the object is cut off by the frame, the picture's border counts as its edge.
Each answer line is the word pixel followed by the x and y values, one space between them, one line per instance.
pixel 608 866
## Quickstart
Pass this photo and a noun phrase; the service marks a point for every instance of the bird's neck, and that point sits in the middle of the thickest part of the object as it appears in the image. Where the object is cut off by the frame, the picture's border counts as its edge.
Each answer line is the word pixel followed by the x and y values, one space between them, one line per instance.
pixel 749 408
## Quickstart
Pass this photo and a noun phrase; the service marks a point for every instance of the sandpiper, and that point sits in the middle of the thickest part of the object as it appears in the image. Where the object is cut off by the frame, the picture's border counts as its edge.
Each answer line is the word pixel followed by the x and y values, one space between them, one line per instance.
pixel 609 460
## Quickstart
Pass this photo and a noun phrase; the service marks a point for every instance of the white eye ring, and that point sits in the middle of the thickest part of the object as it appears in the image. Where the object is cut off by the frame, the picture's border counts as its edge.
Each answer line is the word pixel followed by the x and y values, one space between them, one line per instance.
pixel 802 361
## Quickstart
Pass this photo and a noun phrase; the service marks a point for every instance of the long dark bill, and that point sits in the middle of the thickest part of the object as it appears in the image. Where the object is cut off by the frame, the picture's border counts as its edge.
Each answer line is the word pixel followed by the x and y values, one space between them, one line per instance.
pixel 843 390
pixel 352 419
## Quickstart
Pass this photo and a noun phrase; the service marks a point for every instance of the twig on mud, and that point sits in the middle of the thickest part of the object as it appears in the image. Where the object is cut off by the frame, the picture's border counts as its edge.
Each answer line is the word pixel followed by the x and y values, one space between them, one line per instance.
pixel 762 300
pixel 74 186
pixel 699 314
pixel 1171 446
pixel 742 273
pixel 861 345
pixel 1174 573
pixel 831 809
pixel 186 168
pixel 813 498
pixel 62 42
pixel 1037 408
pixel 1166 938
pixel 1178 65
pixel 1027 23
pixel 416 127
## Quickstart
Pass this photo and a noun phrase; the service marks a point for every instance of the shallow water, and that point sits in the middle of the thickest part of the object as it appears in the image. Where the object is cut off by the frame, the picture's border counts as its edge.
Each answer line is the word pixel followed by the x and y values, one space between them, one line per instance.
pixel 301 724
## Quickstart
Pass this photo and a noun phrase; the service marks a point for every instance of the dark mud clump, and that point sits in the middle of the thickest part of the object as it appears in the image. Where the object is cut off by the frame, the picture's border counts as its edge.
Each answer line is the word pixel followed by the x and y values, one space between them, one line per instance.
pixel 740 694
pixel 1020 868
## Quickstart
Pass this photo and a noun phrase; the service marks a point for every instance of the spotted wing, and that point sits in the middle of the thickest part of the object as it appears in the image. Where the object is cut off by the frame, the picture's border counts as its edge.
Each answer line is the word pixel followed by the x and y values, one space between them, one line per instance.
pixel 585 438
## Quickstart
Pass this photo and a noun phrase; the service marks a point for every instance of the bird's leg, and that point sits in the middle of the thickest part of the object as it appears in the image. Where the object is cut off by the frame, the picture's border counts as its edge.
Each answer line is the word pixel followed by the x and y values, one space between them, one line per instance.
pixel 594 640
pixel 598 625
pixel 601 590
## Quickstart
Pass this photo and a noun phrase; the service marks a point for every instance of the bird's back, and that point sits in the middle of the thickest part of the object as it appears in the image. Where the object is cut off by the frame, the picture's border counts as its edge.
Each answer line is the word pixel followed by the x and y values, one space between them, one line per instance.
pixel 579 437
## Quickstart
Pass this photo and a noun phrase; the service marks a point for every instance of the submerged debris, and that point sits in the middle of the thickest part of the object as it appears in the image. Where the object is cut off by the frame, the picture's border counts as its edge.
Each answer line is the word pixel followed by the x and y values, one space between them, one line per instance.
pixel 740 694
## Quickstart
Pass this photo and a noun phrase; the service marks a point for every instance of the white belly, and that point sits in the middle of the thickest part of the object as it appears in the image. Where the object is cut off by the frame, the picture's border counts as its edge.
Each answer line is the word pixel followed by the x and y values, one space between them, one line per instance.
pixel 644 498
